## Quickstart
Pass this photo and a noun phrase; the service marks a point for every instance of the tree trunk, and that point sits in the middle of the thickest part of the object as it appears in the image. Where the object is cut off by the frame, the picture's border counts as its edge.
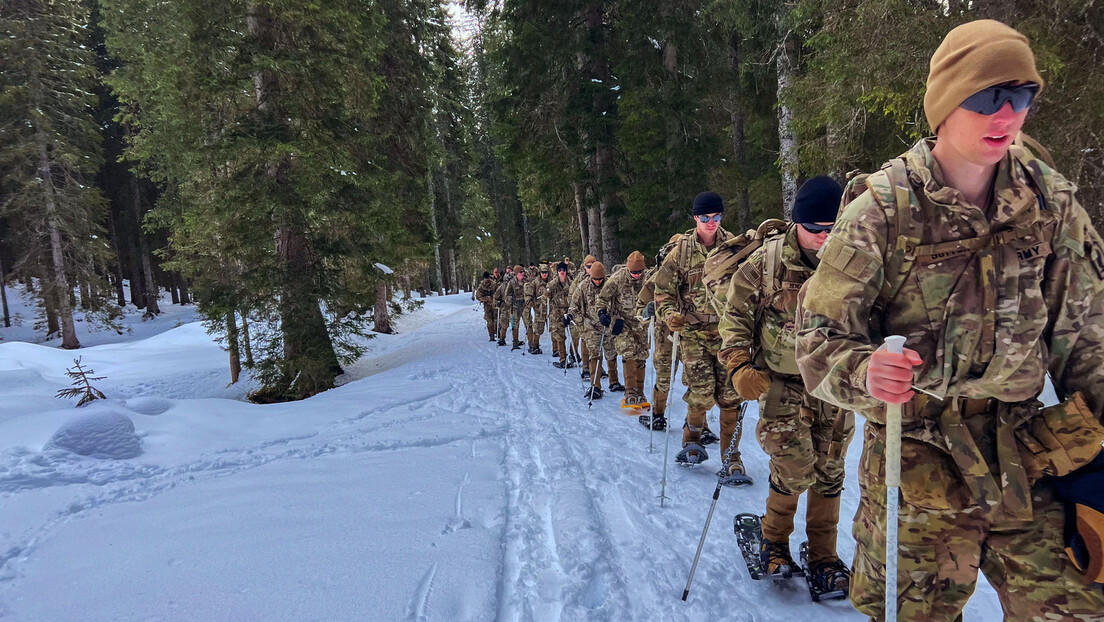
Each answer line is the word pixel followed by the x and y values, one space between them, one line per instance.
pixel 149 288
pixel 406 287
pixel 787 144
pixel 57 253
pixel 185 298
pixel 595 226
pixel 246 342
pixel 4 293
pixel 436 237
pixel 232 346
pixel 382 314
pixel 525 235
pixel 580 213
pixel 452 269
pixel 739 139
pixel 174 291
pixel 120 296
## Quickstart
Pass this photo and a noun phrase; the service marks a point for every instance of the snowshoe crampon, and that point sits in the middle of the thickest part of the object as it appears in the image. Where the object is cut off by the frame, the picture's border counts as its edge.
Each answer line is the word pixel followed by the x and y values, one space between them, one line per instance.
pixel 593 393
pixel 735 478
pixel 748 538
pixel 692 454
pixel 658 422
pixel 615 387
pixel 708 437
pixel 828 579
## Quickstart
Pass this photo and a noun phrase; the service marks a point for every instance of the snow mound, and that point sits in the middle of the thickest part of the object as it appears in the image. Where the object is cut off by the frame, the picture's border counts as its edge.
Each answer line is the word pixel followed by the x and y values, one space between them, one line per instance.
pixel 107 434
pixel 151 406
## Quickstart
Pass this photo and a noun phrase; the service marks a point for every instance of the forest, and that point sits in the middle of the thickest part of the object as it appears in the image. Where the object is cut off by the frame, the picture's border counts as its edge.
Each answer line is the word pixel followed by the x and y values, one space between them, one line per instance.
pixel 288 166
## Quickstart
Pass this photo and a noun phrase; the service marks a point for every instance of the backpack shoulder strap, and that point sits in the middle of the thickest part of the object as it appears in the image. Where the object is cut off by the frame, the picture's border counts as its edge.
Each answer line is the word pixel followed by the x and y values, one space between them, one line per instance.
pixel 772 279
pixel 890 188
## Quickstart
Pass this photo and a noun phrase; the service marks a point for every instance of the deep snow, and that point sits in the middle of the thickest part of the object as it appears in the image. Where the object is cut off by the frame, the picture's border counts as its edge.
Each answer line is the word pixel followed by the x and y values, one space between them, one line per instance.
pixel 445 479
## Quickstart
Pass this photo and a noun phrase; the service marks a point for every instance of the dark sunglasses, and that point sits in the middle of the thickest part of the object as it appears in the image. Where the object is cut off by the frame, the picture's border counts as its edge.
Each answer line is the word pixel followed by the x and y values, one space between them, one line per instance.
pixel 589 265
pixel 714 218
pixel 636 272
pixel 814 228
pixel 989 101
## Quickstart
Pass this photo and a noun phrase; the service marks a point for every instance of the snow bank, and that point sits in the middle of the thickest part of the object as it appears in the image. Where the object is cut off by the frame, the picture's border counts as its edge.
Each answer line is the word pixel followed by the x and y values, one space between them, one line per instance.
pixel 106 433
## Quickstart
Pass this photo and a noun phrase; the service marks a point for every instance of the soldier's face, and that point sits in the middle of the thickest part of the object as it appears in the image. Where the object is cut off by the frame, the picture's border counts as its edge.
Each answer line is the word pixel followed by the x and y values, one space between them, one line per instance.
pixel 809 240
pixel 710 226
pixel 597 282
pixel 981 139
pixel 563 275
pixel 544 275
pixel 521 275
pixel 587 268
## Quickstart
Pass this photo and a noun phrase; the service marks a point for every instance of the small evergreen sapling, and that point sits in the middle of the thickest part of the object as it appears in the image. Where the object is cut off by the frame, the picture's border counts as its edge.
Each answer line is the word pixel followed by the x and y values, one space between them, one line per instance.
pixel 82 384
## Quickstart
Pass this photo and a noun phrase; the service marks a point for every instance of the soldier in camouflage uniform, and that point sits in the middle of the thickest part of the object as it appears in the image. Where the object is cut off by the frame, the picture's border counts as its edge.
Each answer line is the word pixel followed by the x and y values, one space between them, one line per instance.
pixel 538 302
pixel 502 310
pixel 577 333
pixel 617 312
pixel 511 299
pixel 980 254
pixel 485 294
pixel 805 437
pixel 559 302
pixel 661 355
pixel 681 303
pixel 598 341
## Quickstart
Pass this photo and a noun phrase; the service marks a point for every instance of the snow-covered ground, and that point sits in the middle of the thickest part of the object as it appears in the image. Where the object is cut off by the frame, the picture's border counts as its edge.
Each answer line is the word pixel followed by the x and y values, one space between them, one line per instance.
pixel 445 479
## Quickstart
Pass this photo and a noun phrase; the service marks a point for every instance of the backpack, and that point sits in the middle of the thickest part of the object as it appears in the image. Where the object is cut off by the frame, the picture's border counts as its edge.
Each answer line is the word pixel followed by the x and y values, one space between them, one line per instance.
pixel 723 261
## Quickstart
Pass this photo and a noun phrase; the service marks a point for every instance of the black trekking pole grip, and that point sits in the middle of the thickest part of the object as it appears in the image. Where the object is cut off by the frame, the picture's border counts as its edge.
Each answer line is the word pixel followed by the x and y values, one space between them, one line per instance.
pixel 701 543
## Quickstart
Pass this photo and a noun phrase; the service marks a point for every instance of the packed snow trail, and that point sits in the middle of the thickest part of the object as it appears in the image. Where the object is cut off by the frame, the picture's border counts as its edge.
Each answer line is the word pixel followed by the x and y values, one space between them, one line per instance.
pixel 447 479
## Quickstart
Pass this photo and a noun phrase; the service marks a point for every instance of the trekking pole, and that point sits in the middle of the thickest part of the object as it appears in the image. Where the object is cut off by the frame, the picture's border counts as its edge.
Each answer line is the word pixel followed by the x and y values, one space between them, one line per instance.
pixel 568 327
pixel 498 320
pixel 894 344
pixel 597 376
pixel 701 543
pixel 667 428
pixel 651 410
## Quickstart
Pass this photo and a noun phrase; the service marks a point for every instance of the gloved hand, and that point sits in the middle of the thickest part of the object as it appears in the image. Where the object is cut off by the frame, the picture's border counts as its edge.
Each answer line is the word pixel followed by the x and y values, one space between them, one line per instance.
pixel 675 322
pixel 618 326
pixel 603 318
pixel 649 311
pixel 751 382
pixel 567 319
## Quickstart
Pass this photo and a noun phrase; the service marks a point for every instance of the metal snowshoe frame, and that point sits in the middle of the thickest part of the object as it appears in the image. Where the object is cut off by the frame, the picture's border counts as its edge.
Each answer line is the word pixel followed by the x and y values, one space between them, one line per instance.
pixel 684 459
pixel 816 591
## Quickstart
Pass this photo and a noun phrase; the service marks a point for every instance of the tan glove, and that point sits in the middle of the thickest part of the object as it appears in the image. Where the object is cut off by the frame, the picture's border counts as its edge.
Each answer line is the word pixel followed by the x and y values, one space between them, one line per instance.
pixel 675 322
pixel 751 382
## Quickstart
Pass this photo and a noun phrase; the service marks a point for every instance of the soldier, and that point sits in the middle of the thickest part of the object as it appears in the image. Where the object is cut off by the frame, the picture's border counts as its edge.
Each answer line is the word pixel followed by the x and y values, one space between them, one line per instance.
pixel 577 335
pixel 805 438
pixel 598 341
pixel 661 356
pixel 617 312
pixel 559 302
pixel 485 294
pixel 681 303
pixel 511 300
pixel 536 300
pixel 980 254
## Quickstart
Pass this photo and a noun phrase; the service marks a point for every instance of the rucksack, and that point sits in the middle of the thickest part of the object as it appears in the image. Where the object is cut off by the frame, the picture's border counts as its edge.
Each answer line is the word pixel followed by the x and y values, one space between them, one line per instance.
pixel 723 261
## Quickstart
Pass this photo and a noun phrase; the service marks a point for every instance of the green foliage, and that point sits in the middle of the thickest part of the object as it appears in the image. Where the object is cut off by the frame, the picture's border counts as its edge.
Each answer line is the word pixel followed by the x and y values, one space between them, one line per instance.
pixel 82 384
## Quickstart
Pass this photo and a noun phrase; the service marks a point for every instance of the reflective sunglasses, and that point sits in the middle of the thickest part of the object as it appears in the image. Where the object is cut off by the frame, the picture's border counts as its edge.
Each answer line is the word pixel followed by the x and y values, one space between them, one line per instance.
pixel 815 228
pixel 706 218
pixel 989 101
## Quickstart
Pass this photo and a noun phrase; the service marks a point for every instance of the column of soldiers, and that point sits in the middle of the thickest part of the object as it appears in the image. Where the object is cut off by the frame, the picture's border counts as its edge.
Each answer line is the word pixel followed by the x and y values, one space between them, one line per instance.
pixel 976 250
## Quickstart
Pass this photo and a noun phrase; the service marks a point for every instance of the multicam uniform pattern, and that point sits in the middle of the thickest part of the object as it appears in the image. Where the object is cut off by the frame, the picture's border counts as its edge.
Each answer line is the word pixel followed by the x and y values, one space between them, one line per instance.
pixel 990 318
pixel 535 300
pixel 511 299
pixel 585 310
pixel 805 437
pixel 485 294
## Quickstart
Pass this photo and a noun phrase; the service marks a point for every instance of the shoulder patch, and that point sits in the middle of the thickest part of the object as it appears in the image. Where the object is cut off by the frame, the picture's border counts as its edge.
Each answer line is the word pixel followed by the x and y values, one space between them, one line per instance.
pixel 849 260
pixel 1096 258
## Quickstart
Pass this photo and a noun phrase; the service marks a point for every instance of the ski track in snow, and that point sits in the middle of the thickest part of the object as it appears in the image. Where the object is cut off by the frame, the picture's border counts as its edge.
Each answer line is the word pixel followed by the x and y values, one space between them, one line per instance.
pixel 583 536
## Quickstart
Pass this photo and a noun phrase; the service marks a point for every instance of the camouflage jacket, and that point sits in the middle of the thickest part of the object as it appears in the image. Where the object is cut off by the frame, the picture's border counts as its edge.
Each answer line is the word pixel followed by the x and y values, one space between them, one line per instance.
pixel 511 293
pixel 647 292
pixel 583 304
pixel 559 296
pixel 534 291
pixel 486 291
pixel 760 316
pixel 678 283
pixel 993 301
pixel 619 298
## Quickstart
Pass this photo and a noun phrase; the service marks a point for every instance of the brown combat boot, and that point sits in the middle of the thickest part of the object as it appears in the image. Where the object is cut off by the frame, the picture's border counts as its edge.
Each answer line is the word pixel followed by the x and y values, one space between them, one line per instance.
pixel 822 525
pixel 659 401
pixel 729 418
pixel 614 381
pixel 778 522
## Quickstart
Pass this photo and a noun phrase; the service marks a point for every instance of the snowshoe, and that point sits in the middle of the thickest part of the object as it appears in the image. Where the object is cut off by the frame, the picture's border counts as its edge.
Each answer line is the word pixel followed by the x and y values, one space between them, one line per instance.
pixel 605 374
pixel 692 454
pixel 593 393
pixel 537 350
pixel 658 422
pixel 559 364
pixel 571 365
pixel 645 404
pixel 708 437
pixel 615 387
pixel 585 375
pixel 517 345
pixel 492 339
pixel 828 579
pixel 501 342
pixel 749 537
pixel 736 478
pixel 774 558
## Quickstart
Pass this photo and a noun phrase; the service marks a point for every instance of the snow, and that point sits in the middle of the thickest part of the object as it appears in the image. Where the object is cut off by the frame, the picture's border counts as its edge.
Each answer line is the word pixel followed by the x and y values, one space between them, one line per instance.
pixel 384 269
pixel 445 479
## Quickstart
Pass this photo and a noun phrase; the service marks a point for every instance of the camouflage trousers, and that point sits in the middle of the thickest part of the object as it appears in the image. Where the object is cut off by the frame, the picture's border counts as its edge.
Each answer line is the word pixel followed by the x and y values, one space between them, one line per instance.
pixel 509 318
pixel 555 324
pixel 706 381
pixel 806 438
pixel 632 343
pixel 591 339
pixel 661 359
pixel 490 313
pixel 540 317
pixel 941 551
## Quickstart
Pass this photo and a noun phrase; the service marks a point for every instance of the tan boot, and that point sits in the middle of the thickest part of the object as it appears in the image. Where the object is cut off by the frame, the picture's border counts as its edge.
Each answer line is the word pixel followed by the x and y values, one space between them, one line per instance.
pixel 729 419
pixel 659 402
pixel 638 383
pixel 614 381
pixel 778 522
pixel 822 525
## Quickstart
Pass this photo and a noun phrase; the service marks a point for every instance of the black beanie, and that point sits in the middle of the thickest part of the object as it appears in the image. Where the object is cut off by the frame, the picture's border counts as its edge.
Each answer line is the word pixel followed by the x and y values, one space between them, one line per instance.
pixel 708 203
pixel 817 201
pixel 486 275
pixel 561 266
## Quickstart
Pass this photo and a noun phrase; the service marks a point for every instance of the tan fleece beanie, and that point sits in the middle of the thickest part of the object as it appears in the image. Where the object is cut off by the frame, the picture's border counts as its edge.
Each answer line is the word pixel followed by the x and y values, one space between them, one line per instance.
pixel 518 268
pixel 597 271
pixel 635 262
pixel 589 259
pixel 973 57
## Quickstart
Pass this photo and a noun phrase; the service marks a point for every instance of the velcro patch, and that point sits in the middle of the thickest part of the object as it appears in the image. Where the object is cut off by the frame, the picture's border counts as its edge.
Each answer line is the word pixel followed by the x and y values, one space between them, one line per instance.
pixel 1096 258
pixel 849 260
